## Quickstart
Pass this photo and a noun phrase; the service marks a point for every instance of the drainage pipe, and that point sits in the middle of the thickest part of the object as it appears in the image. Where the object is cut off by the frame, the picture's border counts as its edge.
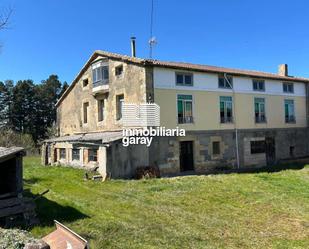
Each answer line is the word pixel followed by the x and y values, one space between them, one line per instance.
pixel 234 117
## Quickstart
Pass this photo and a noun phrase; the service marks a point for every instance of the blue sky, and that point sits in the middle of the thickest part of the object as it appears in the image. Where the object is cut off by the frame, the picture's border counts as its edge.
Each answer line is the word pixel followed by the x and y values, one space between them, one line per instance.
pixel 57 36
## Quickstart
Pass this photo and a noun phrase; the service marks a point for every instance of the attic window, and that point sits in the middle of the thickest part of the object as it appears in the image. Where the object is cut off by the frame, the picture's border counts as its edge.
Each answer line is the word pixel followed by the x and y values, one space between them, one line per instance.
pixel 119 70
pixel 85 82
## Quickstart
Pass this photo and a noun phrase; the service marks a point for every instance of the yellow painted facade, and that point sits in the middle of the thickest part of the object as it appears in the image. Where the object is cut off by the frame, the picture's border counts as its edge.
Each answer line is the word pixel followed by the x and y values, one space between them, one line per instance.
pixel 206 110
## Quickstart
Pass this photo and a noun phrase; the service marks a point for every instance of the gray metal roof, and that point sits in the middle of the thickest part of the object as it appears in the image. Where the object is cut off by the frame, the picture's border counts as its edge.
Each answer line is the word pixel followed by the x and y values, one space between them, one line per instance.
pixel 6 152
pixel 103 137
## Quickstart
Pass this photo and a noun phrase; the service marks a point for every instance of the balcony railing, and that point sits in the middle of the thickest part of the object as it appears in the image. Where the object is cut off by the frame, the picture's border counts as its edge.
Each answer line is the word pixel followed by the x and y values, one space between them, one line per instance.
pixel 185 120
pixel 260 119
pixel 290 119
pixel 100 86
pixel 225 119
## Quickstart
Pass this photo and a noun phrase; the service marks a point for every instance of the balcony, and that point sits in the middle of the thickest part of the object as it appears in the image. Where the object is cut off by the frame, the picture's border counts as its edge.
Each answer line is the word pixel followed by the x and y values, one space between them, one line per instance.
pixel 290 119
pixel 226 120
pixel 260 119
pixel 101 86
pixel 185 120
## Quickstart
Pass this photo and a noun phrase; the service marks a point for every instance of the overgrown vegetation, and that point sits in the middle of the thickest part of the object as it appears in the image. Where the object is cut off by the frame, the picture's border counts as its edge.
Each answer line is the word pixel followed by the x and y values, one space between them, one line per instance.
pixel 9 138
pixel 256 210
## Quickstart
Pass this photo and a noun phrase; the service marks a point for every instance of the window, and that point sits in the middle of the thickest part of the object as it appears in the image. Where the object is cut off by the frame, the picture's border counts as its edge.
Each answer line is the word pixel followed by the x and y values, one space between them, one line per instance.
pixel 257 147
pixel 258 85
pixel 288 88
pixel 85 112
pixel 259 110
pixel 216 148
pixel 289 111
pixel 119 70
pixel 184 79
pixel 75 154
pixel 226 109
pixel 85 82
pixel 92 155
pixel 185 109
pixel 100 110
pixel 62 154
pixel 100 73
pixel 119 103
pixel 292 149
pixel 223 83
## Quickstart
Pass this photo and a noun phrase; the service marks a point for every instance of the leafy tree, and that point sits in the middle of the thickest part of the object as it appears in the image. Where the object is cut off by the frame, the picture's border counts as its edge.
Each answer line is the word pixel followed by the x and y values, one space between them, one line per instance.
pixel 23 108
pixel 28 108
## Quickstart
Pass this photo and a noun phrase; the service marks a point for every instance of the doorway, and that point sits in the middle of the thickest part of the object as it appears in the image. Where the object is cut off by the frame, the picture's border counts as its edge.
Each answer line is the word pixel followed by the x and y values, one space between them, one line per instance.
pixel 270 149
pixel 186 156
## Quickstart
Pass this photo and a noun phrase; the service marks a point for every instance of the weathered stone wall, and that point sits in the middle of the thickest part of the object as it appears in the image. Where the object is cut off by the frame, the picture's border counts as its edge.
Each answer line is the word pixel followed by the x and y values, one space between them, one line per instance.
pixel 165 151
pixel 132 83
pixel 123 161
pixel 117 161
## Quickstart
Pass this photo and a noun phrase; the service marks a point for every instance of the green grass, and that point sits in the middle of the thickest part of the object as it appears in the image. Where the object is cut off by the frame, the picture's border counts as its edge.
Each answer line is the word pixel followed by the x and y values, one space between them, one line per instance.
pixel 253 210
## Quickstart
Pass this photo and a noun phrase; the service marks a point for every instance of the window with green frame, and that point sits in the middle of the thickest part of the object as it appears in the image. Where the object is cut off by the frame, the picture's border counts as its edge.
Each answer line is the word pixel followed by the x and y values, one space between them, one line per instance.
pixel 185 109
pixel 289 111
pixel 259 110
pixel 226 109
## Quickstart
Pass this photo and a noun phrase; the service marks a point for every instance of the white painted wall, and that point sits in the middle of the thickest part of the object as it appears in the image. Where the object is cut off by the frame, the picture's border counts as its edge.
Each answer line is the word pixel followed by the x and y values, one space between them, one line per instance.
pixel 164 78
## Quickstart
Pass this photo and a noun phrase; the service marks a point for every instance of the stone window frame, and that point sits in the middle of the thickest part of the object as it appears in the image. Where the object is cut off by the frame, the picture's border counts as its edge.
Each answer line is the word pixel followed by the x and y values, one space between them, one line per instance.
pixel 85 87
pixel 217 143
pixel 83 112
pixel 116 70
pixel 118 118
pixel 252 140
pixel 100 122
pixel 223 147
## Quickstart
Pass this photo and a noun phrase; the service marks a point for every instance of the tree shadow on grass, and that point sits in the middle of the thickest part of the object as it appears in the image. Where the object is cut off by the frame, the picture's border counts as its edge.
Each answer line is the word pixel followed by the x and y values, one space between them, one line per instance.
pixel 31 180
pixel 47 211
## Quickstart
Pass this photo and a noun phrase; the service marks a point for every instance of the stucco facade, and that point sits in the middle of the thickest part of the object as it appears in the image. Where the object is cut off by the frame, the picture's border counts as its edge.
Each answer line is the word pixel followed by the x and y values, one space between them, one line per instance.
pixel 210 144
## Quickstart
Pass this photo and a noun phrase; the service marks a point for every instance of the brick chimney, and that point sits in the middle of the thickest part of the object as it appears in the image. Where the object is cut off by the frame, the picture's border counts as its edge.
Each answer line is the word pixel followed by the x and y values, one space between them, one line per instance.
pixel 283 70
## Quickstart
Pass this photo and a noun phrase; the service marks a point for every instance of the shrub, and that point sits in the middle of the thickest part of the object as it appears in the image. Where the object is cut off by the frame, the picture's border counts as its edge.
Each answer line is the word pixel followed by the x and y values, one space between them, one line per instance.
pixel 9 138
pixel 147 172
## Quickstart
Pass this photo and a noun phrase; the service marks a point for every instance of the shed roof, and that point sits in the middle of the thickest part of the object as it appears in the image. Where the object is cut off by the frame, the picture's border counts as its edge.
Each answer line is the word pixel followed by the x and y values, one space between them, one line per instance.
pixel 6 153
pixel 103 137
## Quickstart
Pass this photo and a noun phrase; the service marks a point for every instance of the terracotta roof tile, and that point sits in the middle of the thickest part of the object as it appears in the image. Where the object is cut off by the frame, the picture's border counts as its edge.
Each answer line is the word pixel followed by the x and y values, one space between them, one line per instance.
pixel 178 65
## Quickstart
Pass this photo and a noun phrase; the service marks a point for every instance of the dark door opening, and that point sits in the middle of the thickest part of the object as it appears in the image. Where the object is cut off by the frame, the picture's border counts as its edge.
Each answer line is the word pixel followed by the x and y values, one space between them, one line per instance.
pixel 186 156
pixel 8 177
pixel 270 150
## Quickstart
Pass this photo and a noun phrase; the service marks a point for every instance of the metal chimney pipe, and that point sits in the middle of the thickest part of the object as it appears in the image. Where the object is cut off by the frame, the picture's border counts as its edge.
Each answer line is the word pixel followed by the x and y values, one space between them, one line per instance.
pixel 133 49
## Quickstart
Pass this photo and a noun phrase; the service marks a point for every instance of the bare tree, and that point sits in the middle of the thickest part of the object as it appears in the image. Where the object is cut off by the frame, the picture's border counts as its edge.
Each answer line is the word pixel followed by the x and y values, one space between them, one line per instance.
pixel 5 17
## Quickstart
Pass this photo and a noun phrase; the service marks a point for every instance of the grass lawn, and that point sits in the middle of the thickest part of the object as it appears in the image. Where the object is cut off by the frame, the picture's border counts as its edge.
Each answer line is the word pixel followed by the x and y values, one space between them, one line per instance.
pixel 253 210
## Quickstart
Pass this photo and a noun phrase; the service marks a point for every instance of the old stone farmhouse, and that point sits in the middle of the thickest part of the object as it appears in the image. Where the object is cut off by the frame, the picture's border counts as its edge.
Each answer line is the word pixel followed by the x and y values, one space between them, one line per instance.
pixel 233 118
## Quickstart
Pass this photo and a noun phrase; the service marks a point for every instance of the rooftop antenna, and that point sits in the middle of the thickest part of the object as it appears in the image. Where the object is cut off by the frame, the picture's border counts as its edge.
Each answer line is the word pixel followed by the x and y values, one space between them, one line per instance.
pixel 152 40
